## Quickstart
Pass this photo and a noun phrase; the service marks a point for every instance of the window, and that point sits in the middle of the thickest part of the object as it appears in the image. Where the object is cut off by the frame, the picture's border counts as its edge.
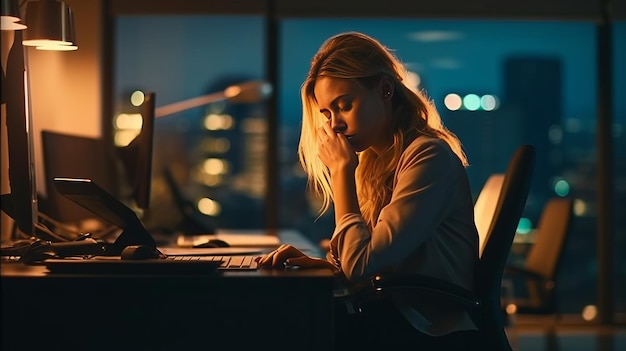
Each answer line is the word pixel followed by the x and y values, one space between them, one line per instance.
pixel 514 81
pixel 216 152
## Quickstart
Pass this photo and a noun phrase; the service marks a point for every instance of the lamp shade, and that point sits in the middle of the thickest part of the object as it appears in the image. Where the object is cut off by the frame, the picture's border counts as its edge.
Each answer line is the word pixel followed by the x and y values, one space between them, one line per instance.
pixel 50 26
pixel 10 19
pixel 10 10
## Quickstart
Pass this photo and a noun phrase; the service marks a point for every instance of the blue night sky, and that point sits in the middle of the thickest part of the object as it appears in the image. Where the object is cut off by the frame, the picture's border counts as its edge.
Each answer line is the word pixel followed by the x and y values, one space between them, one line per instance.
pixel 184 56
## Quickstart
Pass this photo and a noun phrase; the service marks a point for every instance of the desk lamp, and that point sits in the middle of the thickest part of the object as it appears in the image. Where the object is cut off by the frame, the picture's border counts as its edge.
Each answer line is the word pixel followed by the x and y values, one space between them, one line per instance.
pixel 246 92
pixel 50 26
pixel 46 20
pixel 11 19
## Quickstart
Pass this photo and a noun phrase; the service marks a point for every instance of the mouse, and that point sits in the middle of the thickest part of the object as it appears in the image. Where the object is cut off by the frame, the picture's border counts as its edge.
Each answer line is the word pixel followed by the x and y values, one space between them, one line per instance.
pixel 140 252
pixel 212 243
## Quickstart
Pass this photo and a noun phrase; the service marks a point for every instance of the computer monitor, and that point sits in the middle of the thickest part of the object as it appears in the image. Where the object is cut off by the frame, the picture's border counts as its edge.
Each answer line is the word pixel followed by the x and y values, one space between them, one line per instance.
pixel 137 155
pixel 73 156
pixel 21 203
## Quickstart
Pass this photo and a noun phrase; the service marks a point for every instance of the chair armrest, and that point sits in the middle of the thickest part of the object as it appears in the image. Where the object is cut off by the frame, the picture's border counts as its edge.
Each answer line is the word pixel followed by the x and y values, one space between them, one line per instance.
pixel 381 287
pixel 545 285
pixel 429 285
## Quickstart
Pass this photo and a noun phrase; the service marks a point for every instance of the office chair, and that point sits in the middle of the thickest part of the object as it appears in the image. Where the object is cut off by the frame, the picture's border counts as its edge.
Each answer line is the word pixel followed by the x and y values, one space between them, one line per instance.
pixel 483 304
pixel 485 207
pixel 541 263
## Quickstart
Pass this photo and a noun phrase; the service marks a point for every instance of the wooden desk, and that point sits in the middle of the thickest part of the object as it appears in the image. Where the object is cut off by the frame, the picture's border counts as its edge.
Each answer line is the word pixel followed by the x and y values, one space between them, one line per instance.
pixel 264 309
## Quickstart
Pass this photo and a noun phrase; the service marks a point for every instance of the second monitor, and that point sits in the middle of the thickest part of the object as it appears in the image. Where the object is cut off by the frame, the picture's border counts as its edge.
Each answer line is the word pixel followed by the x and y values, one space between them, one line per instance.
pixel 137 155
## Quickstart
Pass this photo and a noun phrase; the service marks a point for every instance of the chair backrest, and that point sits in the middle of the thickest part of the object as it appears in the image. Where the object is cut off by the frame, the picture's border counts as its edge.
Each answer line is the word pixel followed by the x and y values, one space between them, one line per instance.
pixel 485 207
pixel 498 241
pixel 552 229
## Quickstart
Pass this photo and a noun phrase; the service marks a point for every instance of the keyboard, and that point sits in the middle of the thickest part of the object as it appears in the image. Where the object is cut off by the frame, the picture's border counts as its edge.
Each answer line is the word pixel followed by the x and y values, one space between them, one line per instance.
pixel 205 265
pixel 237 262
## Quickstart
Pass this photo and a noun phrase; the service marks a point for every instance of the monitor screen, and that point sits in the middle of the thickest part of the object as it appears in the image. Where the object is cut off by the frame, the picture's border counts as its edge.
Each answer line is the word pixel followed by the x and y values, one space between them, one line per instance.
pixel 21 203
pixel 73 156
pixel 137 155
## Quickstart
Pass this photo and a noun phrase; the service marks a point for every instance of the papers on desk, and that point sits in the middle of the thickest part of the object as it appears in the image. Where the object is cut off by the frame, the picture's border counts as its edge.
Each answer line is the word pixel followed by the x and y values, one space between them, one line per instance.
pixel 251 239
pixel 234 239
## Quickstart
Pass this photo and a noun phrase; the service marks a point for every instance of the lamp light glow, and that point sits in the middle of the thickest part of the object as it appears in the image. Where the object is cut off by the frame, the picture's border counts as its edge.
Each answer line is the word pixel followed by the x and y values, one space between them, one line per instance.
pixel 7 23
pixel 50 26
pixel 57 47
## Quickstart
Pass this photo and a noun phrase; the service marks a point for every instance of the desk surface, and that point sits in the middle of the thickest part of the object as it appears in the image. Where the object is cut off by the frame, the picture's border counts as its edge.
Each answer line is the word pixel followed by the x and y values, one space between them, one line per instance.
pixel 228 311
pixel 21 271
pixel 231 311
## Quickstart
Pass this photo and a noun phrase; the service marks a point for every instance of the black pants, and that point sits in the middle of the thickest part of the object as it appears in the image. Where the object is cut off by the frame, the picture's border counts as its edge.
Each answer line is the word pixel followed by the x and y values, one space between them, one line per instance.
pixel 382 327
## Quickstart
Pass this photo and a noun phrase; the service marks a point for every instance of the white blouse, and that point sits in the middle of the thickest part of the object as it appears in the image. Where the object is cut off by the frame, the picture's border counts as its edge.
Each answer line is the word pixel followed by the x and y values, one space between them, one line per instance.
pixel 427 228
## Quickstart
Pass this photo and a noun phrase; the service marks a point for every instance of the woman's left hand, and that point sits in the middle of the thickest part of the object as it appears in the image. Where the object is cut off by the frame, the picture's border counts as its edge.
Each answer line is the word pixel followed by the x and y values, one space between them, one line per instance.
pixel 289 256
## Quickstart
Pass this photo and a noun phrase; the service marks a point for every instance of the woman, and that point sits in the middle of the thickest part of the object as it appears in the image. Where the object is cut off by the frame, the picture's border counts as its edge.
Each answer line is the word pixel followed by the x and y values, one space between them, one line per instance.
pixel 376 151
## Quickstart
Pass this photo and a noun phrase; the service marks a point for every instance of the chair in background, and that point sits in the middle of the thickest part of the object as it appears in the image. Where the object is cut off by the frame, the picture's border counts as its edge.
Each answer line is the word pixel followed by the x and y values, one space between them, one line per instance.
pixel 483 304
pixel 485 207
pixel 542 261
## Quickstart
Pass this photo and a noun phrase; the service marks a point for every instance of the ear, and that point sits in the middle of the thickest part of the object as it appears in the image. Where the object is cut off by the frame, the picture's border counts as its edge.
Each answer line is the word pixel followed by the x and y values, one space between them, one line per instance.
pixel 386 88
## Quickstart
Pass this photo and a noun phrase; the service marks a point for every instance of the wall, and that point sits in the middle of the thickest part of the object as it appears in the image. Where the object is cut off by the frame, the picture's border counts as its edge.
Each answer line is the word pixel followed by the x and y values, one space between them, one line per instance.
pixel 66 89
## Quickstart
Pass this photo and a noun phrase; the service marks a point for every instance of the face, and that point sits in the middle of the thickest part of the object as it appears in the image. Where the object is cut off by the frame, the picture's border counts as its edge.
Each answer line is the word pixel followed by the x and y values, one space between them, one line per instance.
pixel 358 112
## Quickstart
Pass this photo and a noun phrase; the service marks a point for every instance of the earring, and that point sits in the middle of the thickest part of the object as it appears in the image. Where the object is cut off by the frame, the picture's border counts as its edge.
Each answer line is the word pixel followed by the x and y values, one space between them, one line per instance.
pixel 387 93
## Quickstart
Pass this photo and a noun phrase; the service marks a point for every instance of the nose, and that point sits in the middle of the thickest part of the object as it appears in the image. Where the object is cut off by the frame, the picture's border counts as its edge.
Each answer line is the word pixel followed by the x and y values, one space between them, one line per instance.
pixel 337 123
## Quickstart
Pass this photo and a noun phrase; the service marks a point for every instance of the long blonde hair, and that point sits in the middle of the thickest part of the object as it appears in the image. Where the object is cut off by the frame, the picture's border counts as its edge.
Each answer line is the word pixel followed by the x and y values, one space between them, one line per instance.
pixel 355 55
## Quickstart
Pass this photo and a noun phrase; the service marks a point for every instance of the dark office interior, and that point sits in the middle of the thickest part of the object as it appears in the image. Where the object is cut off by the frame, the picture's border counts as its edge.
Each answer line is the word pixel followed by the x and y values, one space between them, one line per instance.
pixel 549 73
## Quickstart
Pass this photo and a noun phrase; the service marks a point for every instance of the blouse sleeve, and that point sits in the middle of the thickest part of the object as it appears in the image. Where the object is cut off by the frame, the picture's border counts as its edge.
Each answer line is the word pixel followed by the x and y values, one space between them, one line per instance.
pixel 419 202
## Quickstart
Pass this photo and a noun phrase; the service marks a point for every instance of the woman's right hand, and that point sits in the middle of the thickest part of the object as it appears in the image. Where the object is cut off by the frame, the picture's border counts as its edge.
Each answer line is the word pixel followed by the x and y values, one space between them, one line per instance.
pixel 335 150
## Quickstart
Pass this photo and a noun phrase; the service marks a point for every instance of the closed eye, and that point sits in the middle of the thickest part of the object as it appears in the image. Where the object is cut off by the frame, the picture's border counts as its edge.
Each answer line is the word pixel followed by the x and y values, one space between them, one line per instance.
pixel 345 108
pixel 342 104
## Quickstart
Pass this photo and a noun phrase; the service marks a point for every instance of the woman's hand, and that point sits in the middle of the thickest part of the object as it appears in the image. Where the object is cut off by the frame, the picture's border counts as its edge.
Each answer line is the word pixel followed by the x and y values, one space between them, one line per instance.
pixel 335 150
pixel 289 256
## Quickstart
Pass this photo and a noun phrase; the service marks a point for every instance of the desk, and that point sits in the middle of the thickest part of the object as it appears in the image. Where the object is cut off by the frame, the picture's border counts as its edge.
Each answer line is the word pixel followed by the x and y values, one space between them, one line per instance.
pixel 263 309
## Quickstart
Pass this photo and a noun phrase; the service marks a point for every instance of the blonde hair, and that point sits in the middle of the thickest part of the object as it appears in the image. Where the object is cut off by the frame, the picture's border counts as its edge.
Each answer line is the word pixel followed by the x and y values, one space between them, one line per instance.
pixel 354 55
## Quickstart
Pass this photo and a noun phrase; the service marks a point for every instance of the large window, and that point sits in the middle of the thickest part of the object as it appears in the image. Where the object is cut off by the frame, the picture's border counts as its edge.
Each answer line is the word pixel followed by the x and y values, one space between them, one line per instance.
pixel 215 153
pixel 518 81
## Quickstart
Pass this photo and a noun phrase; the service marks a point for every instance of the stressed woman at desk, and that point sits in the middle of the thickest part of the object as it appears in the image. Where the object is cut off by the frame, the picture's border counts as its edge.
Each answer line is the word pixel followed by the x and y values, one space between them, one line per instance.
pixel 376 150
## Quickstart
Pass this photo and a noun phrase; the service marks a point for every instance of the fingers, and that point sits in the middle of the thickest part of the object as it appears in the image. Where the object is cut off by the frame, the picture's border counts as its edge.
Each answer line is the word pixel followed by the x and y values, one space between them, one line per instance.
pixel 328 129
pixel 304 262
pixel 266 260
pixel 278 257
pixel 322 138
pixel 287 256
pixel 328 141
pixel 324 134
